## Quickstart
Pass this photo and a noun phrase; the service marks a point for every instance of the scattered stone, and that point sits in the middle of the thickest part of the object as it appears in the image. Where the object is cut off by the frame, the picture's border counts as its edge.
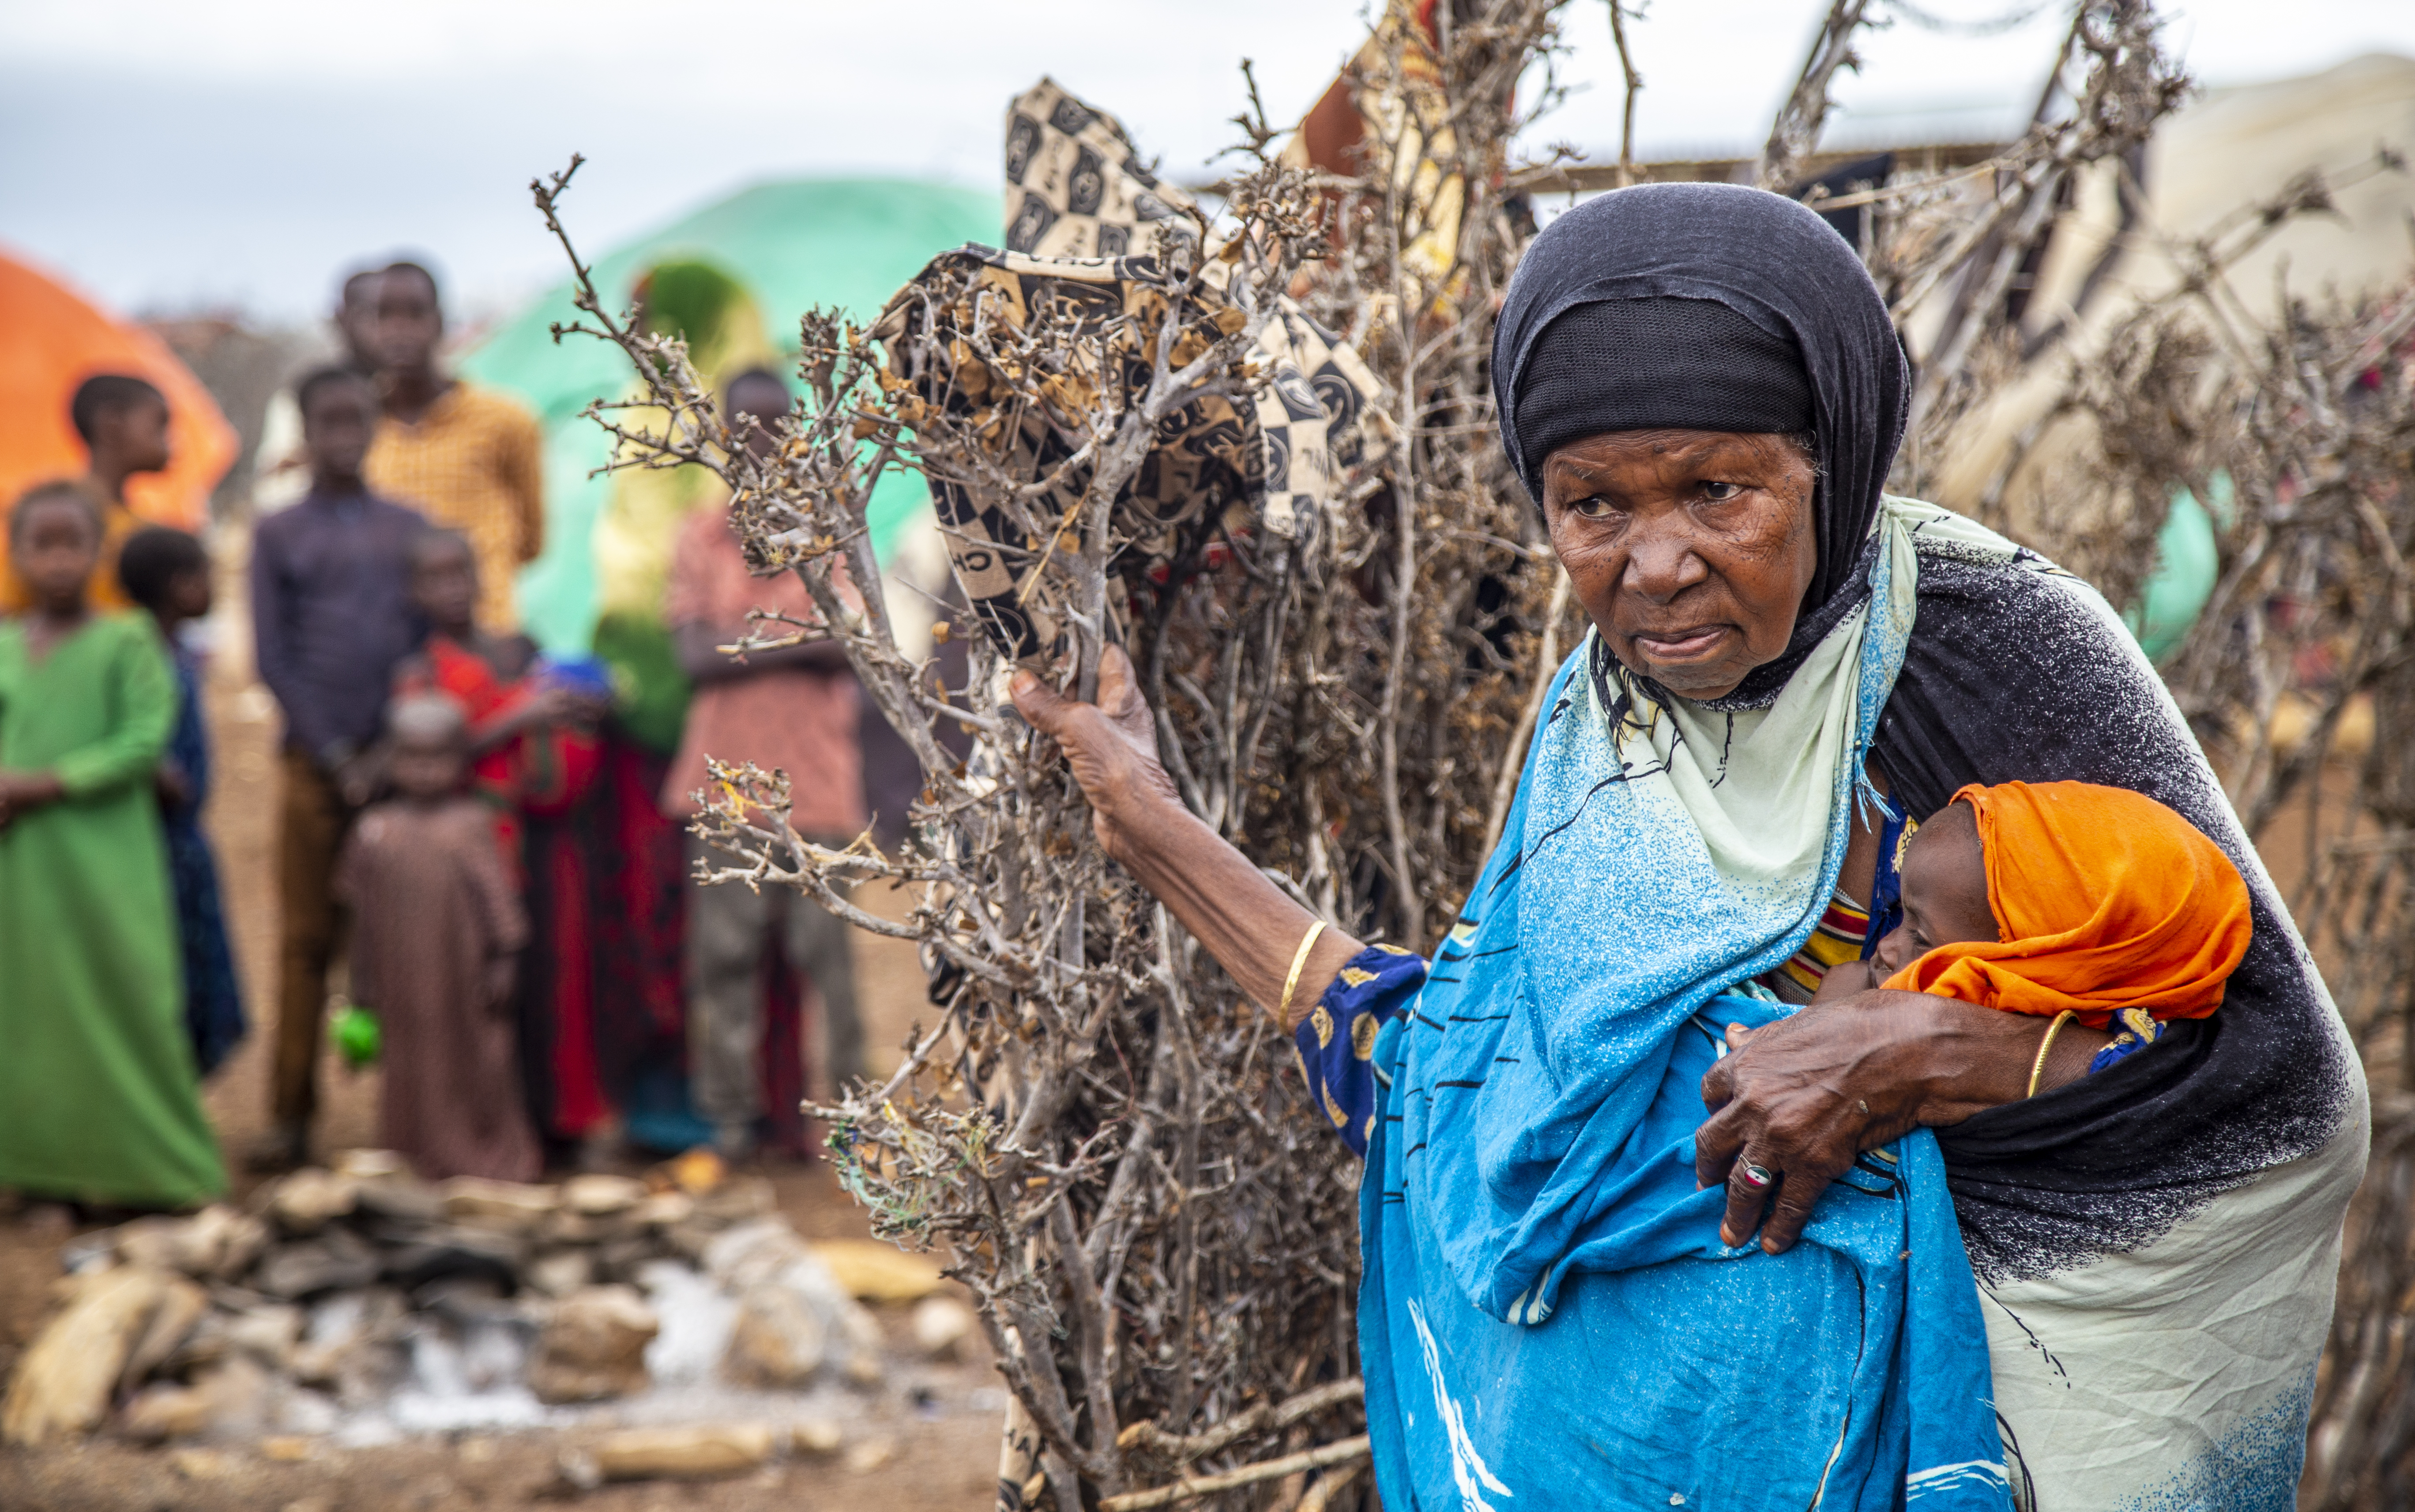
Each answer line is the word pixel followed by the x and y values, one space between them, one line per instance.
pixel 63 1384
pixel 696 1453
pixel 216 1244
pixel 467 1301
pixel 780 1339
pixel 310 1199
pixel 267 1332
pixel 181 1305
pixel 147 1241
pixel 227 1402
pixel 750 1254
pixel 600 1196
pixel 736 1200
pixel 873 1271
pixel 202 1464
pixel 163 1412
pixel 205 1346
pixel 793 1316
pixel 310 1503
pixel 941 1324
pixel 578 1470
pixel 478 1450
pixel 506 1205
pixel 239 1394
pixel 594 1346
pixel 561 1272
pixel 400 1198
pixel 664 1208
pixel 622 1259
pixel 816 1435
pixel 566 1227
pixel 350 1346
pixel 870 1456
pixel 690 1238
pixel 94 1251
pixel 288 1448
pixel 312 1412
pixel 338 1259
pixel 364 1165
pixel 420 1257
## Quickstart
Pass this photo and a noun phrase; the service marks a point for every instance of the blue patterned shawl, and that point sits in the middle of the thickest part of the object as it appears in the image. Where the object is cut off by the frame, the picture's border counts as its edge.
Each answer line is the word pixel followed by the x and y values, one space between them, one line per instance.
pixel 1547 1303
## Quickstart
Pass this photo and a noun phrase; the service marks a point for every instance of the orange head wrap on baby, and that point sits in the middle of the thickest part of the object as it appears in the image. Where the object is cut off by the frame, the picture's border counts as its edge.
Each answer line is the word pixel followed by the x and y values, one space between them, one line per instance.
pixel 2106 900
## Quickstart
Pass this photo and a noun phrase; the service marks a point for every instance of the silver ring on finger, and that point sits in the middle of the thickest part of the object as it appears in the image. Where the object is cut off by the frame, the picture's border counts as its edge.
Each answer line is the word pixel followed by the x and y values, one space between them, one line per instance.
pixel 1754 1176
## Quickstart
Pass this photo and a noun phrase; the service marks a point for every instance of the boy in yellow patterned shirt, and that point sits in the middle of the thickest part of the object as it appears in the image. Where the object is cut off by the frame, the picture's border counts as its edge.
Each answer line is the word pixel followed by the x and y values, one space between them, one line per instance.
pixel 464 455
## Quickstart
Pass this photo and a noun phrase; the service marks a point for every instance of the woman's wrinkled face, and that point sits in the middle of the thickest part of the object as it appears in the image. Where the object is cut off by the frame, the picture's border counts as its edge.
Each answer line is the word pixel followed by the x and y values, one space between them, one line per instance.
pixel 1692 549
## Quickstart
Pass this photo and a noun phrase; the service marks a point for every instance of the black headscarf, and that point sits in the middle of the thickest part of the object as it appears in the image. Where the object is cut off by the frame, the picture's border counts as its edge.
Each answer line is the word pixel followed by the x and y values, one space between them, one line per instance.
pixel 1680 304
pixel 2012 672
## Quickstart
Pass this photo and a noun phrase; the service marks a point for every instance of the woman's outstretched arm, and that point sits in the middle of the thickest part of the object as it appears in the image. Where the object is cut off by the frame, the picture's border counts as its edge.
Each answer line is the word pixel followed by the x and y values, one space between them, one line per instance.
pixel 1247 923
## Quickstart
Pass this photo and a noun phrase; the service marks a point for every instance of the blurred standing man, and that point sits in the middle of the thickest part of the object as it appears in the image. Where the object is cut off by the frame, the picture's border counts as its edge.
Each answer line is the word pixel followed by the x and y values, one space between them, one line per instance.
pixel 331 607
pixel 280 468
pixel 796 710
pixel 468 456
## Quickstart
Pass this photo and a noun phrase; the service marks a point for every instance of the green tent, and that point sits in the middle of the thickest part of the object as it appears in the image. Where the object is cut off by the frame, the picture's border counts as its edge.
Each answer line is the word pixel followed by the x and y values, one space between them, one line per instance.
pixel 849 243
pixel 2188 562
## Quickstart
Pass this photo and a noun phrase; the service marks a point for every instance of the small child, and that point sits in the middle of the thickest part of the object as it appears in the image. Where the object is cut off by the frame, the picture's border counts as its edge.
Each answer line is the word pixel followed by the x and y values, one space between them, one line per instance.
pixel 167 575
pixel 437 930
pixel 532 746
pixel 2055 898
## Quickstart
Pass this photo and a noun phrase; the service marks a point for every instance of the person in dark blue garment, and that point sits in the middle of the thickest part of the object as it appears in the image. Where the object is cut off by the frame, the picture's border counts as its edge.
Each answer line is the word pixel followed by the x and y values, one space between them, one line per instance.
pixel 166 573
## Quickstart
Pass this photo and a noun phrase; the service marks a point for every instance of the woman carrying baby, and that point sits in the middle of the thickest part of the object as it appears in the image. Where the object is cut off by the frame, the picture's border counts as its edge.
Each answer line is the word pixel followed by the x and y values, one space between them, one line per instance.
pixel 1928 1244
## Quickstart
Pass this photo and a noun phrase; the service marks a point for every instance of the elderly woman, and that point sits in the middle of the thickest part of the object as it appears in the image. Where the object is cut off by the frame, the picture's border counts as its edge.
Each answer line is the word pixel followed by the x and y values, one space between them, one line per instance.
pixel 1702 390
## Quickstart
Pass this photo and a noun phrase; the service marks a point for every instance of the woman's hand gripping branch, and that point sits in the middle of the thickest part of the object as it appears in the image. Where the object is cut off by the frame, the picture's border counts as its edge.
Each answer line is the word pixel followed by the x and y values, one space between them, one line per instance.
pixel 1247 922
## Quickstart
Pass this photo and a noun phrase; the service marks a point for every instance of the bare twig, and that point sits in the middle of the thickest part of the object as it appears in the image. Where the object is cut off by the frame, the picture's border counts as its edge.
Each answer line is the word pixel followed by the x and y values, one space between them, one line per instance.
pixel 1193 1488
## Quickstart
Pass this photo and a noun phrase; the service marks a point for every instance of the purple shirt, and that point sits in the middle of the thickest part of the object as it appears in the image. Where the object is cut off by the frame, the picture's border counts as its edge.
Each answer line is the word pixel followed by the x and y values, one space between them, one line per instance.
pixel 331 614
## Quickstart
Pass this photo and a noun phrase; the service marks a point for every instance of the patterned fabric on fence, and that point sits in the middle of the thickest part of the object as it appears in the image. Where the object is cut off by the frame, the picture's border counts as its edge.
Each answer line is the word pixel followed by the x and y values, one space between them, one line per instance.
pixel 1274 460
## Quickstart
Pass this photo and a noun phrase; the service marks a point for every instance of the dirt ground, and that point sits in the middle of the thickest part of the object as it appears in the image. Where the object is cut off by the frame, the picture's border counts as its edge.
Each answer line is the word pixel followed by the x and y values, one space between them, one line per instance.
pixel 927 1439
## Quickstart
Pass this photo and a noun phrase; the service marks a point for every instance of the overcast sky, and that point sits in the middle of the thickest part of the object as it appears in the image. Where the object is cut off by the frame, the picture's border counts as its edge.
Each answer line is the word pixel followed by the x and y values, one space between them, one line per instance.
pixel 174 156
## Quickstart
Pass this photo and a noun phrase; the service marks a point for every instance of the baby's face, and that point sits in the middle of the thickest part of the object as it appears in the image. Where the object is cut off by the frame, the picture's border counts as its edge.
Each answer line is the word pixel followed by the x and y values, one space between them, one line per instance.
pixel 1945 891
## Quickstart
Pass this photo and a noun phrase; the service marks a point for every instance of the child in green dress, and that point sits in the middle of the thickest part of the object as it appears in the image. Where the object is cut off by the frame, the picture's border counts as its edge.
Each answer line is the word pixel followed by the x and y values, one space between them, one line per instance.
pixel 98 1079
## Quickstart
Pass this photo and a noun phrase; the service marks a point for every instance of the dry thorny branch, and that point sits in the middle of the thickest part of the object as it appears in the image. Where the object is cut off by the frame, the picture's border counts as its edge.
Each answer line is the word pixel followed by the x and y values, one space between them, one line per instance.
pixel 1159 1235
pixel 1091 1129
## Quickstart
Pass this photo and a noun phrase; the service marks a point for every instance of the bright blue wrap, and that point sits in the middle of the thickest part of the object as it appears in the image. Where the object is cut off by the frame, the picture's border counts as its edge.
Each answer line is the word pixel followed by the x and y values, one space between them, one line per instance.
pixel 1548 1317
pixel 1850 1371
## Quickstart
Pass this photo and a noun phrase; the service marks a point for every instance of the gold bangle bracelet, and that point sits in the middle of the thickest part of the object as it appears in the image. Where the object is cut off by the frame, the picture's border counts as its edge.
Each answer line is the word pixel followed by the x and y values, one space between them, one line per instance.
pixel 1299 960
pixel 2037 1067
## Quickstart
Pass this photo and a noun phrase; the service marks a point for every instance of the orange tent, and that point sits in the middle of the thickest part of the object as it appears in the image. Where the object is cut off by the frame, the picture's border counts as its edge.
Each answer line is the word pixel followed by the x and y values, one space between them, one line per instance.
pixel 51 340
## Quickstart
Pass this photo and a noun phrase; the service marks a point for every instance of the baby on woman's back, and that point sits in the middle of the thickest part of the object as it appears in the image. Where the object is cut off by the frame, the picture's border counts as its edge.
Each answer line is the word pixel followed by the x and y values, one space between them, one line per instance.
pixel 2053 898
